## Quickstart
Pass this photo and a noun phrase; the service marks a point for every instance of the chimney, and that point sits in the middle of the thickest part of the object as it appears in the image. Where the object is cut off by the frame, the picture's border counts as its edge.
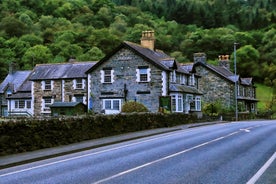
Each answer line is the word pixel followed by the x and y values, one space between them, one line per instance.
pixel 72 59
pixel 200 57
pixel 224 61
pixel 12 68
pixel 148 39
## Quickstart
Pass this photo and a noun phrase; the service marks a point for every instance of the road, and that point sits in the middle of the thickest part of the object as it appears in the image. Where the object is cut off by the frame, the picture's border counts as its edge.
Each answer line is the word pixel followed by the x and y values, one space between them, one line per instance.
pixel 223 153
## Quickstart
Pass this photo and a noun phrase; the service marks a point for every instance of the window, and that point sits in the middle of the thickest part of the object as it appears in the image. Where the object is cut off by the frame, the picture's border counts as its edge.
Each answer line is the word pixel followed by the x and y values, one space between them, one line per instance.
pixel 79 84
pixel 22 104
pixel 47 103
pixel 182 79
pixel 107 75
pixel 177 103
pixel 173 76
pixel 112 104
pixel 192 80
pixel 198 104
pixel 47 85
pixel 173 103
pixel 28 103
pixel 143 74
pixel 79 98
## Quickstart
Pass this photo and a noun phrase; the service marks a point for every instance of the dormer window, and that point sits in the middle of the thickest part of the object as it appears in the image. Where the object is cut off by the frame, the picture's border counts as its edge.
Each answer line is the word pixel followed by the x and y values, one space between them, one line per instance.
pixel 173 76
pixel 192 80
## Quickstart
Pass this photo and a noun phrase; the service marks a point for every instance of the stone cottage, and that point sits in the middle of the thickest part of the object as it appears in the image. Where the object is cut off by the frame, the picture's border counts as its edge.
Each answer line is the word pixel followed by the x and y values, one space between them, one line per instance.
pixel 141 73
pixel 217 83
pixel 65 82
pixel 9 87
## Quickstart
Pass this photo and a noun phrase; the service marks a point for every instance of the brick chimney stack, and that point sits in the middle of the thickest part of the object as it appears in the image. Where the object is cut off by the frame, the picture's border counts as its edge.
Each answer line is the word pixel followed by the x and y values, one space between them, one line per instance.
pixel 148 39
pixel 224 61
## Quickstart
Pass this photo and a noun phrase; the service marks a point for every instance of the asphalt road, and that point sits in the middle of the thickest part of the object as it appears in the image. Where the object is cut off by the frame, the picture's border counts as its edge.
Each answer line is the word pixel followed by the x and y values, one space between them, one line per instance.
pixel 224 153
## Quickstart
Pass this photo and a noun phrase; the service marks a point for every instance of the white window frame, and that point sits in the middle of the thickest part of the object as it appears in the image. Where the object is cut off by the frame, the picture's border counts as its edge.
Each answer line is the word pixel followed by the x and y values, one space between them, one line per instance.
pixel 22 104
pixel 192 80
pixel 79 83
pixel 47 85
pixel 182 79
pixel 143 71
pixel 105 74
pixel 173 76
pixel 177 102
pixel 112 109
pixel 45 106
pixel 197 103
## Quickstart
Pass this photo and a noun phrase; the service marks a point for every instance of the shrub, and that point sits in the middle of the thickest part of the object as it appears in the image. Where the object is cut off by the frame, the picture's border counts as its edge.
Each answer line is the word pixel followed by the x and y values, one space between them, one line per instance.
pixel 132 106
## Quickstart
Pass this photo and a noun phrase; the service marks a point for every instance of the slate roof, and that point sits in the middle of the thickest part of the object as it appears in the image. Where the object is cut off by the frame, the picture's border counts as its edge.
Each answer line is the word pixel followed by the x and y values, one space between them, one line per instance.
pixel 184 89
pixel 227 74
pixel 156 57
pixel 15 79
pixel 61 71
pixel 24 91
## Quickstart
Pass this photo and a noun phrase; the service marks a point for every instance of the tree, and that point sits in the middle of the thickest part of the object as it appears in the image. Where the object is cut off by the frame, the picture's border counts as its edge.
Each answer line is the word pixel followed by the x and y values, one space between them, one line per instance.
pixel 36 55
pixel 13 27
pixel 248 61
pixel 94 54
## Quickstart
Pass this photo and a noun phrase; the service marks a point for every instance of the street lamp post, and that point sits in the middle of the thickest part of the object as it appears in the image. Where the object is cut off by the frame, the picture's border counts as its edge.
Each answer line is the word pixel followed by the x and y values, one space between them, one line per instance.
pixel 236 80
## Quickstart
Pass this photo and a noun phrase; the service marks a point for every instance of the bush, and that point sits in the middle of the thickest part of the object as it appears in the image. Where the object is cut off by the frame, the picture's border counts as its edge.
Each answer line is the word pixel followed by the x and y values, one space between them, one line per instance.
pixel 132 106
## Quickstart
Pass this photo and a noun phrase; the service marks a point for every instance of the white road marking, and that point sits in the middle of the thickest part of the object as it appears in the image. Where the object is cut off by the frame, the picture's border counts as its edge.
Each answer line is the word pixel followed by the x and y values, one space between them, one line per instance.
pixel 164 158
pixel 95 153
pixel 117 148
pixel 262 170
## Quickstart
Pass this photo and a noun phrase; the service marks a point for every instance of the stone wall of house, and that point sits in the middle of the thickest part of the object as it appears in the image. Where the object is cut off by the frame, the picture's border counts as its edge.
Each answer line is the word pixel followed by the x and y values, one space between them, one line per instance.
pixel 124 63
pixel 215 87
pixel 56 93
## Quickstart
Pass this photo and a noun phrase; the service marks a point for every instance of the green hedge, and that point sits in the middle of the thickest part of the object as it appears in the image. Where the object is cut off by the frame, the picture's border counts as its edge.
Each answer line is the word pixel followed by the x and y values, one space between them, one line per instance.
pixel 31 134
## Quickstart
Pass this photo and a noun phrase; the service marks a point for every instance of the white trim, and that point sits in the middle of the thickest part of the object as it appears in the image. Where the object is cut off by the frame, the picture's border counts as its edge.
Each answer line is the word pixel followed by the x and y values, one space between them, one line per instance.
pixel 164 83
pixel 62 90
pixel 102 76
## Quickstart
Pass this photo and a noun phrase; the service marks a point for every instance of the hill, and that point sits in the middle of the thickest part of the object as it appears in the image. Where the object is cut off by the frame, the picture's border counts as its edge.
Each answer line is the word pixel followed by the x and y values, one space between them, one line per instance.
pixel 48 31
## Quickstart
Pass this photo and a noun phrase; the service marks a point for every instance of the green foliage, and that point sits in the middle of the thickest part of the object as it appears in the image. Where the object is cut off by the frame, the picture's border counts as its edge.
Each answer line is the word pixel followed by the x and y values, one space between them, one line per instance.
pixel 132 106
pixel 90 29
pixel 215 108
pixel 31 134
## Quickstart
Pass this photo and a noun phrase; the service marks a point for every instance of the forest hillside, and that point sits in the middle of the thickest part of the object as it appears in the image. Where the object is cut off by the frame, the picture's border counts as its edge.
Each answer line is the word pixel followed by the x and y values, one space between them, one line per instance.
pixel 51 31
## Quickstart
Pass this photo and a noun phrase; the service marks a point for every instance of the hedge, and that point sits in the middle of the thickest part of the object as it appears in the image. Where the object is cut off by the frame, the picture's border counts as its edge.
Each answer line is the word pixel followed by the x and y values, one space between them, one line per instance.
pixel 31 134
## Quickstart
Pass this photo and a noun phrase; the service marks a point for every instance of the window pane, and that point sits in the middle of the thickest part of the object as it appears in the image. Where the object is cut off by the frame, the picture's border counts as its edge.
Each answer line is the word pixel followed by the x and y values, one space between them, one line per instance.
pixel 107 104
pixel 116 104
pixel 143 77
pixel 21 104
pixel 173 104
pixel 107 75
pixel 79 83
pixel 79 98
pixel 48 85
pixel 28 104
pixel 180 103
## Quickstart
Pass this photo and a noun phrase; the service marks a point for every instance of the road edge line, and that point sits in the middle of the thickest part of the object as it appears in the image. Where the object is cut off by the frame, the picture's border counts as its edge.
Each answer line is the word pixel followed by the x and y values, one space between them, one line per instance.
pixel 261 171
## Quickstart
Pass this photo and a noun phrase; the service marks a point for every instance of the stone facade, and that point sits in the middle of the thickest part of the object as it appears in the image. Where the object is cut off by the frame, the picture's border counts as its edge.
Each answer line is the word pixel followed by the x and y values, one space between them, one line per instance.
pixel 62 91
pixel 125 86
pixel 215 88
